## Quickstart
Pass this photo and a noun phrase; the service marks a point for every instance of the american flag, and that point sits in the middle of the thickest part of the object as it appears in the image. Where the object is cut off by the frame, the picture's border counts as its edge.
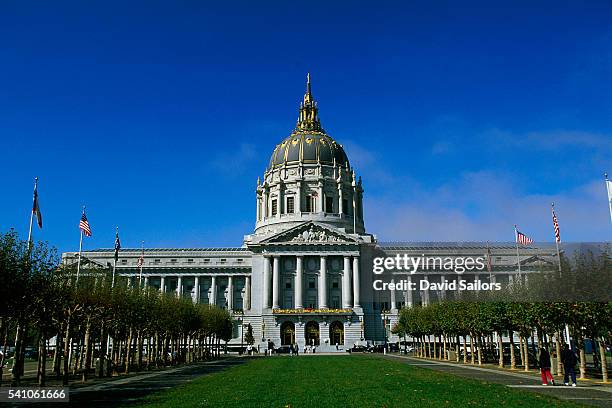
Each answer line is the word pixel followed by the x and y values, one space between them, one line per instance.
pixel 117 246
pixel 84 225
pixel 36 207
pixel 522 238
pixel 556 225
pixel 141 260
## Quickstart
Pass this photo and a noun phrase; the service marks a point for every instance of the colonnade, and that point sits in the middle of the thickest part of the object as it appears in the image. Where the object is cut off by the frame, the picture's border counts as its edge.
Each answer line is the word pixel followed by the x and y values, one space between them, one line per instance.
pixel 350 275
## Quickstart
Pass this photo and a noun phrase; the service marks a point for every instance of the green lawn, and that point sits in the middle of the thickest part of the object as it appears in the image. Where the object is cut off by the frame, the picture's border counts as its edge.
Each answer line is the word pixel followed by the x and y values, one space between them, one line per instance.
pixel 341 381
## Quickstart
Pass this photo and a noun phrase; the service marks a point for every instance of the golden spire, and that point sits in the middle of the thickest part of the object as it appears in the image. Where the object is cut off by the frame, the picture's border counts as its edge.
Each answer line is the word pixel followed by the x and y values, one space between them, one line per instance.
pixel 308 119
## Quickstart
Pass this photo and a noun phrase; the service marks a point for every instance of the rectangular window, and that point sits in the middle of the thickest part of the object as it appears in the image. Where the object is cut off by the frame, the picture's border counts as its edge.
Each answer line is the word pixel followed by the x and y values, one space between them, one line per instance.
pixel 329 204
pixel 156 261
pixel 335 284
pixel 311 284
pixel 290 205
pixel 274 207
pixel 173 261
pixel 309 202
pixel 335 302
pixel 312 302
pixel 190 261
pixel 223 260
pixel 206 260
pixel 288 284
pixel 345 208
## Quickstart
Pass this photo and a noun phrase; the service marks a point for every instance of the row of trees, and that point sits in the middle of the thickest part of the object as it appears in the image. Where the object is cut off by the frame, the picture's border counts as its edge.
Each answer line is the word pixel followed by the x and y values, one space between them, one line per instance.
pixel 469 328
pixel 98 328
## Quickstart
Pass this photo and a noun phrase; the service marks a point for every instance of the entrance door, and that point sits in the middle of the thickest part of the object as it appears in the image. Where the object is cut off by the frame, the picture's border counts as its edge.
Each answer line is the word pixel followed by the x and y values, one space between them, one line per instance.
pixel 336 333
pixel 311 332
pixel 287 334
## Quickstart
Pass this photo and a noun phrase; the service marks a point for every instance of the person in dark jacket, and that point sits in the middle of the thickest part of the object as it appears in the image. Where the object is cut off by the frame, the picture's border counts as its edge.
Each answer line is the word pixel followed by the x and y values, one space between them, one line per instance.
pixel 569 360
pixel 545 367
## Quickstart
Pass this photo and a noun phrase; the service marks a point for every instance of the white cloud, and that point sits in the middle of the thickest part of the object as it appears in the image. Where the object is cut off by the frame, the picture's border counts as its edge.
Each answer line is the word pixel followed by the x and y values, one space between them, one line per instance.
pixel 485 206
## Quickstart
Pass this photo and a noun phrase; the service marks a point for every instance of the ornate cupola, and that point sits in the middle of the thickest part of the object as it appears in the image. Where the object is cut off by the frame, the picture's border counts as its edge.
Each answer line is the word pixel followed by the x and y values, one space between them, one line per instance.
pixel 309 118
pixel 309 178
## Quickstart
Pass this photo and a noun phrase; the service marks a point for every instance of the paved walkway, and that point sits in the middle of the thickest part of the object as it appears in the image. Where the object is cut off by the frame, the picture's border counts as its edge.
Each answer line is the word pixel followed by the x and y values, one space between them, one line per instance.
pixel 587 392
pixel 133 388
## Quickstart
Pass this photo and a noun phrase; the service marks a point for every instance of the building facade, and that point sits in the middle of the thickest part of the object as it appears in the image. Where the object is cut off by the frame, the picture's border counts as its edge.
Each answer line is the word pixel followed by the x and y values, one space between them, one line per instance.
pixel 305 274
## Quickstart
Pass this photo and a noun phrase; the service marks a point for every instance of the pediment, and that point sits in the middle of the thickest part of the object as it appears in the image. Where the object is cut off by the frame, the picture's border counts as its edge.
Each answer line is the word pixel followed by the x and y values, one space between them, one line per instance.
pixel 536 260
pixel 311 232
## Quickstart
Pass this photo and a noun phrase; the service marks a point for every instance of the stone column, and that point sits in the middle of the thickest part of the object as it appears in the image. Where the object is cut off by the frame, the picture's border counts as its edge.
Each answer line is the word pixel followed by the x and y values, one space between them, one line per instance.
pixel 179 286
pixel 340 197
pixel 281 200
pixel 247 293
pixel 299 271
pixel 265 205
pixel 258 205
pixel 275 282
pixel 323 283
pixel 230 293
pixel 213 291
pixel 409 298
pixel 162 284
pixel 393 300
pixel 346 283
pixel 298 199
pixel 321 202
pixel 442 291
pixel 146 284
pixel 266 283
pixel 196 289
pixel 356 283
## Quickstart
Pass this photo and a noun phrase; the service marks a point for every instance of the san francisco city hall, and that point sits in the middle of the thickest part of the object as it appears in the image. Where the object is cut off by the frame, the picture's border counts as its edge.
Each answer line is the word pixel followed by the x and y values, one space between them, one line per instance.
pixel 305 273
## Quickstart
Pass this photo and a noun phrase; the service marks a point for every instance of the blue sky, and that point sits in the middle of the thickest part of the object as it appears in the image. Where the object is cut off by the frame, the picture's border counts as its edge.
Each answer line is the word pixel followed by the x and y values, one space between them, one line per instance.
pixel 462 118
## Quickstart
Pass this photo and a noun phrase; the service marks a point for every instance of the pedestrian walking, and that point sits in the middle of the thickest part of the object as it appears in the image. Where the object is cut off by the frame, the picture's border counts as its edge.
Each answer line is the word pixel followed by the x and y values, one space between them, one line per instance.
pixel 545 367
pixel 569 360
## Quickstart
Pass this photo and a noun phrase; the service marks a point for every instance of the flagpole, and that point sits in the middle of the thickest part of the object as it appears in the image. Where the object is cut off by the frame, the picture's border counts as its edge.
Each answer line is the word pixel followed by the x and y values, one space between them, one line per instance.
pixel 557 242
pixel 609 194
pixel 489 262
pixel 80 250
pixel 518 259
pixel 140 277
pixel 115 260
pixel 32 214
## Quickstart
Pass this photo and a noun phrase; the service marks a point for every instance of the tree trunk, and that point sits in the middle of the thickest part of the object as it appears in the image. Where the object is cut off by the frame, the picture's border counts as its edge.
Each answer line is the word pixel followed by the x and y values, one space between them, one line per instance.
pixel 128 347
pixel 435 347
pixel 464 350
pixel 87 350
pixel 521 349
pixel 457 349
pixel 102 357
pixel 500 348
pixel 526 353
pixel 67 347
pixel 472 356
pixel 558 352
pixel 445 354
pixel 479 345
pixel 16 372
pixel 582 359
pixel 512 356
pixel 42 360
pixel 57 355
pixel 604 362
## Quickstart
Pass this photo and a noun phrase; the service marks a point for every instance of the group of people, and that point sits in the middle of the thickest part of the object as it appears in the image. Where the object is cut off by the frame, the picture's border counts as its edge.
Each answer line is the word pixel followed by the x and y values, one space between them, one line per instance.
pixel 568 359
